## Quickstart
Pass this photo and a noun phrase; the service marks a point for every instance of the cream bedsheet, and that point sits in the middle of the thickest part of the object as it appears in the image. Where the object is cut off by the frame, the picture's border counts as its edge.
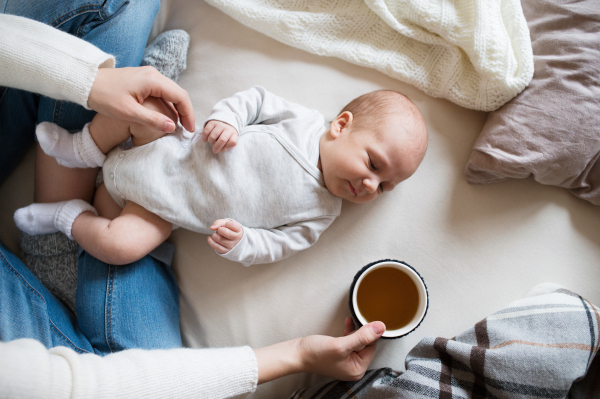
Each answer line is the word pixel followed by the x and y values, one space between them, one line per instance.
pixel 476 247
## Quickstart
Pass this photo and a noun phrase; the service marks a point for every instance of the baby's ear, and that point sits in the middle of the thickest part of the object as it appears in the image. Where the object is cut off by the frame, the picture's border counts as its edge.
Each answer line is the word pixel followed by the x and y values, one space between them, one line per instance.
pixel 341 122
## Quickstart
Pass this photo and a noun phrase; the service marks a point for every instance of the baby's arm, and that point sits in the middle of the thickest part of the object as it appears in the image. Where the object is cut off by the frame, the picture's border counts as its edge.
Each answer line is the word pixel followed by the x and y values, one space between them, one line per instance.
pixel 127 238
pixel 249 107
pixel 266 245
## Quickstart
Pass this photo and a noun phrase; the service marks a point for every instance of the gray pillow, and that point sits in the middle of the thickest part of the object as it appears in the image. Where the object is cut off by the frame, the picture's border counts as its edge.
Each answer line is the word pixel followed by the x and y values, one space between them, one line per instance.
pixel 551 129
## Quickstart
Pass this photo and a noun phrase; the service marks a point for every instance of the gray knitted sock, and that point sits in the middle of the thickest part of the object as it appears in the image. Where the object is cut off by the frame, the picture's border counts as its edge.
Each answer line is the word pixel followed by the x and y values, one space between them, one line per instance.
pixel 167 53
pixel 52 258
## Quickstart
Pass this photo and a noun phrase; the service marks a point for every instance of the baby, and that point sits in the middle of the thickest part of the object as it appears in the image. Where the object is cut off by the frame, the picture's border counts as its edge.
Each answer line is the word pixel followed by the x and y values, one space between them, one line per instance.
pixel 265 180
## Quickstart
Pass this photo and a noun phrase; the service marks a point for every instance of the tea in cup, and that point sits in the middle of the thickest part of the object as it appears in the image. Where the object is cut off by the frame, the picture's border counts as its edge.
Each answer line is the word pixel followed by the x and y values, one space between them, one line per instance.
pixel 392 292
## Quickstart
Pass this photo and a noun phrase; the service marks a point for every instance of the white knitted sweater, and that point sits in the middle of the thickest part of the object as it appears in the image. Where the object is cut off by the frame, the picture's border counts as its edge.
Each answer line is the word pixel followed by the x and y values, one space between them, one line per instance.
pixel 38 58
pixel 476 53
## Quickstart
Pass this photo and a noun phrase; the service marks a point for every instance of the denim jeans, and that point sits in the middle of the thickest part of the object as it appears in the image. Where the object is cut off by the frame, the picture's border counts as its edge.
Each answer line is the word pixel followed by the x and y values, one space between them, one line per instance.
pixel 118 27
pixel 118 307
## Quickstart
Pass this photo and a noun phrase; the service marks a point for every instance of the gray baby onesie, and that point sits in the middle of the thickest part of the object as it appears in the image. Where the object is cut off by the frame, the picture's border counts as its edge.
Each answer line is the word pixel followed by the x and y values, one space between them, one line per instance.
pixel 269 182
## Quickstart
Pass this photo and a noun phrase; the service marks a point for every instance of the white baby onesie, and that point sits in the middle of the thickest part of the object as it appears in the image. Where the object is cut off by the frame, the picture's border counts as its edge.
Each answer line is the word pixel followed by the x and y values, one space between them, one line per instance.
pixel 269 182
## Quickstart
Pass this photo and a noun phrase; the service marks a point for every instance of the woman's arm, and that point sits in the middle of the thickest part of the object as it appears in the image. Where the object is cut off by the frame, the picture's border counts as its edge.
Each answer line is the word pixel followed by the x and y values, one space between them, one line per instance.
pixel 28 369
pixel 41 59
pixel 345 358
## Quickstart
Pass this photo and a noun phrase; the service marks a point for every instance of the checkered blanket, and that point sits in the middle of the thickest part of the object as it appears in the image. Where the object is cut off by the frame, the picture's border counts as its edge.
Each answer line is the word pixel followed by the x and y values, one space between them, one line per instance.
pixel 541 346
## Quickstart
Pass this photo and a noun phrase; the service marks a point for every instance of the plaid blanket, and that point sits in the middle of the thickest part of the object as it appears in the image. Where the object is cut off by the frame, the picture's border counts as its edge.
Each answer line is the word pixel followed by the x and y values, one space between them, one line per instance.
pixel 541 346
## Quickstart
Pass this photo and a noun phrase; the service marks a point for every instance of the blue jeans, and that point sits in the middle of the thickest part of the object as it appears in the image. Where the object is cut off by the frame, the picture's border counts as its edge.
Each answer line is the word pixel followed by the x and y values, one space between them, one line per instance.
pixel 118 27
pixel 118 307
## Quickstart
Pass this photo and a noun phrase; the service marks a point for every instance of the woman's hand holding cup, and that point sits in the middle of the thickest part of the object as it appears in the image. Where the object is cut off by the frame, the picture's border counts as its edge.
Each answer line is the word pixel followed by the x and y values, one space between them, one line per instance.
pixel 344 358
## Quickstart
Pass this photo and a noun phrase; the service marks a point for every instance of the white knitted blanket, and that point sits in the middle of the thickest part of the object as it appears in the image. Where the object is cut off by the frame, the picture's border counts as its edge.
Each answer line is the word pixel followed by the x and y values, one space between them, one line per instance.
pixel 476 53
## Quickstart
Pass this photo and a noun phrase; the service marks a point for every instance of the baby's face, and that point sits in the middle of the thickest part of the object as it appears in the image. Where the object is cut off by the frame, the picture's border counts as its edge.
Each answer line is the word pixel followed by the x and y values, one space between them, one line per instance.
pixel 361 164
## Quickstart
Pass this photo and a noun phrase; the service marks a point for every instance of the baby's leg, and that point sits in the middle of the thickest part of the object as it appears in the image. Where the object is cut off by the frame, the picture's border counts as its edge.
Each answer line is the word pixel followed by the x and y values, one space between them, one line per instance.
pixel 116 236
pixel 87 149
pixel 125 239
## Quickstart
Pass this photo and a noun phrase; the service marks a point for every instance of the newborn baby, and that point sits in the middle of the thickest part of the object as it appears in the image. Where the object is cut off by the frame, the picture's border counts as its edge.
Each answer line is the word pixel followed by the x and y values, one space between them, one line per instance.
pixel 271 183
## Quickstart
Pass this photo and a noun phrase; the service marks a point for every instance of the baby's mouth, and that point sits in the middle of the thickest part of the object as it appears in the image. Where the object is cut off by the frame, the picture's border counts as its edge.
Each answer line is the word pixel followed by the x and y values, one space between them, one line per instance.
pixel 352 190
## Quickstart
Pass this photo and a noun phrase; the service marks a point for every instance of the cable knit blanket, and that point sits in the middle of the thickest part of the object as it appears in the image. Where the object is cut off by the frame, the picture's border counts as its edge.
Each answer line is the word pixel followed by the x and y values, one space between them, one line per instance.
pixel 476 53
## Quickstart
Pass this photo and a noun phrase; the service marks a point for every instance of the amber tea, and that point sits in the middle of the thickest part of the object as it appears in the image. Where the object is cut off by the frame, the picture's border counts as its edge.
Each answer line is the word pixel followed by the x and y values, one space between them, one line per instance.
pixel 389 295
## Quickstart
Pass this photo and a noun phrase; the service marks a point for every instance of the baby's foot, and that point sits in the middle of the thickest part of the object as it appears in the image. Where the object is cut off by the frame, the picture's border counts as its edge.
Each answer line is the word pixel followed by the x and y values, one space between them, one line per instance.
pixel 71 150
pixel 52 217
pixel 167 53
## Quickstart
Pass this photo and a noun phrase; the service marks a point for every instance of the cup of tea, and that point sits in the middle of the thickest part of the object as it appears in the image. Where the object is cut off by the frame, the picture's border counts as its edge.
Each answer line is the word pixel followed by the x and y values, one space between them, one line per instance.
pixel 390 291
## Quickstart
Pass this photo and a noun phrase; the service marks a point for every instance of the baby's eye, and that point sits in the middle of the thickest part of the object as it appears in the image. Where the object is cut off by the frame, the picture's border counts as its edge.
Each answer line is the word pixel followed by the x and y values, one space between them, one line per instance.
pixel 372 165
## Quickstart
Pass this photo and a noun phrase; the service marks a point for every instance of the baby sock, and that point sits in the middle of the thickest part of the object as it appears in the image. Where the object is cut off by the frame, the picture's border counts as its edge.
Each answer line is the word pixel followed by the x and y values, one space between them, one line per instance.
pixel 52 217
pixel 167 53
pixel 71 150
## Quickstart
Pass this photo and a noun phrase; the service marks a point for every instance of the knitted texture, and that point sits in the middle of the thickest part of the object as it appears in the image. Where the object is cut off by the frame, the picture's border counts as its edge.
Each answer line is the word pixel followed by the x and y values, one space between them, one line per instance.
pixel 167 53
pixel 86 149
pixel 32 371
pixel 68 212
pixel 30 50
pixel 77 150
pixel 52 258
pixel 474 53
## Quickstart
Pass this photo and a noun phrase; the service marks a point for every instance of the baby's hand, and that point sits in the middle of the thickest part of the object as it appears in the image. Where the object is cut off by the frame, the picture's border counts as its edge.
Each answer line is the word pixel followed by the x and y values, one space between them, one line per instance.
pixel 226 236
pixel 222 135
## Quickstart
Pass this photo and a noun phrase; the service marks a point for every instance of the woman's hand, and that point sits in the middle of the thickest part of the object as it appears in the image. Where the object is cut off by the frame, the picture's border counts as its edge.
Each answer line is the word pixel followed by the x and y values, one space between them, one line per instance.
pixel 345 358
pixel 119 93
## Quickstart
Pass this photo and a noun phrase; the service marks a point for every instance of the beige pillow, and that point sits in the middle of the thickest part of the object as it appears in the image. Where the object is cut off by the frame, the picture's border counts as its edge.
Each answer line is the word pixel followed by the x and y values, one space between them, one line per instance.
pixel 551 129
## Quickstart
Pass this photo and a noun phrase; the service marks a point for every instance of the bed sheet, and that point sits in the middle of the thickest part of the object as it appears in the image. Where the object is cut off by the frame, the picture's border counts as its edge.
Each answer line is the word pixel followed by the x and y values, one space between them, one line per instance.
pixel 477 247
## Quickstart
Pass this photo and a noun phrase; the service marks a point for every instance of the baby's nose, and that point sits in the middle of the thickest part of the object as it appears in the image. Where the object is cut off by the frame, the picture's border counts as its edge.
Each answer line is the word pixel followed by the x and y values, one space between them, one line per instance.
pixel 370 185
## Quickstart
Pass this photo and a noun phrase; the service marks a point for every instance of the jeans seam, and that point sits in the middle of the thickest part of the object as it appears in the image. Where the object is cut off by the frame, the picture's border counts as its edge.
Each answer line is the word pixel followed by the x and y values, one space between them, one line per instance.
pixel 56 114
pixel 108 313
pixel 73 13
pixel 61 335
pixel 4 90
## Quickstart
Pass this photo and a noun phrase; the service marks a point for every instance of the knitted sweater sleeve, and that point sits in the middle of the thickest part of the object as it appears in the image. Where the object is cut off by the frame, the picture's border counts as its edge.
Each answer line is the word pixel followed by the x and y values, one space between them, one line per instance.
pixel 41 59
pixel 29 370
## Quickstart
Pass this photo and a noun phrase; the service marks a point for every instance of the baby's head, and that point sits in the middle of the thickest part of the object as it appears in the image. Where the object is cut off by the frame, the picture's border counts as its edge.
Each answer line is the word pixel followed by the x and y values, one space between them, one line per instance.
pixel 377 141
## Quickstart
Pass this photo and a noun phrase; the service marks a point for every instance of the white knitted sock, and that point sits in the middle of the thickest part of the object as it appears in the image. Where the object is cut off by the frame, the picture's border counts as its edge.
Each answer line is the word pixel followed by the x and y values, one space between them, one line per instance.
pixel 71 150
pixel 49 218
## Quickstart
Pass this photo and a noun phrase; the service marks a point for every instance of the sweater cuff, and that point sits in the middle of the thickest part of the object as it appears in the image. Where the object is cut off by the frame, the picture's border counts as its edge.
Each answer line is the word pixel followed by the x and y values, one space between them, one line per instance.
pixel 104 61
pixel 41 59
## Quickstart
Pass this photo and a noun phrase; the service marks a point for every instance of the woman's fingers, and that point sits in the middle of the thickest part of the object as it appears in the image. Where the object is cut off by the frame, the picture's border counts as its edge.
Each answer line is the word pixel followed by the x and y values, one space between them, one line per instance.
pixel 163 87
pixel 155 119
pixel 348 326
pixel 364 336
pixel 119 92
